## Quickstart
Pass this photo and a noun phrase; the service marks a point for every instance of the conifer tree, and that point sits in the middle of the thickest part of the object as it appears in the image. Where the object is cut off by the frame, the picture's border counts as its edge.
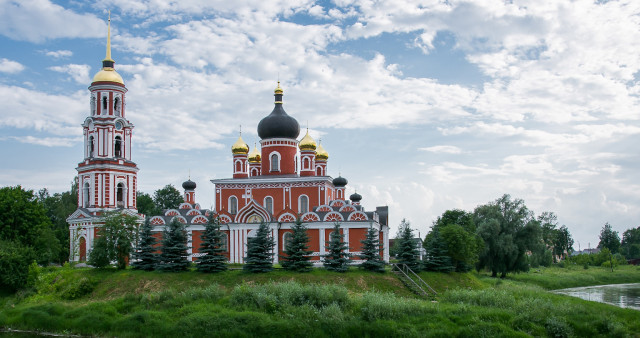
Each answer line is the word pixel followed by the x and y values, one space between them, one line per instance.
pixel 144 257
pixel 297 256
pixel 337 257
pixel 213 246
pixel 174 256
pixel 260 251
pixel 437 256
pixel 371 252
pixel 407 247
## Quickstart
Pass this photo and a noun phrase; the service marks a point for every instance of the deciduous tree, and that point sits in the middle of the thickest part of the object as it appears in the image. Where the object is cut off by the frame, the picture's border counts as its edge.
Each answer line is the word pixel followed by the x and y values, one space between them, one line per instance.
pixel 609 239
pixel 508 230
pixel 167 198
pixel 116 239
pixel 630 246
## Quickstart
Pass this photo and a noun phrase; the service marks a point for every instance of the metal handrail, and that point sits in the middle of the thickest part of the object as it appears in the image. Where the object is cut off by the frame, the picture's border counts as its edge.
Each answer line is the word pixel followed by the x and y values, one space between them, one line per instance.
pixel 402 267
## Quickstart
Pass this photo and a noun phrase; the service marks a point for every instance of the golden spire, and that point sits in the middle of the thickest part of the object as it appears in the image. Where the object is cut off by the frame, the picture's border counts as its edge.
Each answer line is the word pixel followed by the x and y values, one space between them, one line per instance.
pixel 307 143
pixel 108 72
pixel 254 156
pixel 321 154
pixel 108 57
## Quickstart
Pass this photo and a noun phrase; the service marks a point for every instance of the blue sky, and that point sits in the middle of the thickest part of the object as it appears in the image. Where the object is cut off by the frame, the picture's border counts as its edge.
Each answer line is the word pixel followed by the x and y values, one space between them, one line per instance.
pixel 423 105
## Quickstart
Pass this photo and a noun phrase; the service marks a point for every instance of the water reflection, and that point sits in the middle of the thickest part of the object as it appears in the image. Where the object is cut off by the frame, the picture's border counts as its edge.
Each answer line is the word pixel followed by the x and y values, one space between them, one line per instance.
pixel 622 295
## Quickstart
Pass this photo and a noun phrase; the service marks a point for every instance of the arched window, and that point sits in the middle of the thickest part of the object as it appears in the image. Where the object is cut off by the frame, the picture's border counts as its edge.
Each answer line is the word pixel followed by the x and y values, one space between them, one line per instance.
pixel 306 163
pixel 116 107
pixel 85 195
pixel 225 242
pixel 275 162
pixel 91 146
pixel 319 171
pixel 104 103
pixel 286 238
pixel 118 147
pixel 303 204
pixel 238 166
pixel 268 204
pixel 233 205
pixel 120 195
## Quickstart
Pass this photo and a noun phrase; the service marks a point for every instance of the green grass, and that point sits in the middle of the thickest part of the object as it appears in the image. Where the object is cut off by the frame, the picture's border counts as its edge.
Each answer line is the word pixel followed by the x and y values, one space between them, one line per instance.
pixel 573 276
pixel 317 304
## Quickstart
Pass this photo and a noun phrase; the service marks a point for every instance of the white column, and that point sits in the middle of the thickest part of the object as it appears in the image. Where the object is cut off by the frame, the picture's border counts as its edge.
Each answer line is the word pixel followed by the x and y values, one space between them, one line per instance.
pixel 322 241
pixel 385 242
pixel 275 235
pixel 346 238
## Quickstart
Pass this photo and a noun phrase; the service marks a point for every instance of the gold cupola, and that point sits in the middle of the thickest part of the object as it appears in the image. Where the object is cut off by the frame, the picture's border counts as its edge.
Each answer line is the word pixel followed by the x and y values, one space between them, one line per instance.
pixel 254 157
pixel 108 72
pixel 240 147
pixel 307 143
pixel 321 154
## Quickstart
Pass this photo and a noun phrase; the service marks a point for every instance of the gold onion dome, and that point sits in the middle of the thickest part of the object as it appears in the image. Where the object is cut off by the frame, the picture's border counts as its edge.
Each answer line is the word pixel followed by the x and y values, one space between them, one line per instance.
pixel 108 72
pixel 254 157
pixel 239 147
pixel 307 143
pixel 321 154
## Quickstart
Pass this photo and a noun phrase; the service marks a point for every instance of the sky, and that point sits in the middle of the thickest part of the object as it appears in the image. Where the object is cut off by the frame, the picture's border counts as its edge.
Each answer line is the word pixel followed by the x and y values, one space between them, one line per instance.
pixel 423 106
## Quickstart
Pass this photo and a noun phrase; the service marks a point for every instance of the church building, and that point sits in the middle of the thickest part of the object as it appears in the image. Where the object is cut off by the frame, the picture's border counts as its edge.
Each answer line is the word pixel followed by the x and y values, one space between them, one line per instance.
pixel 284 180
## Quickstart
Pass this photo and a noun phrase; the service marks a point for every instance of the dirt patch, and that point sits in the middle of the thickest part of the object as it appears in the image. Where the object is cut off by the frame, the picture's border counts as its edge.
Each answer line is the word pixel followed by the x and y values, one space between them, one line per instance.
pixel 148 286
pixel 362 284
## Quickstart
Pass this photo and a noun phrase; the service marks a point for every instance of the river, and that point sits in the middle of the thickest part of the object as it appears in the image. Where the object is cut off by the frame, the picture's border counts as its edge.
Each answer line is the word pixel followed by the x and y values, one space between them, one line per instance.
pixel 622 295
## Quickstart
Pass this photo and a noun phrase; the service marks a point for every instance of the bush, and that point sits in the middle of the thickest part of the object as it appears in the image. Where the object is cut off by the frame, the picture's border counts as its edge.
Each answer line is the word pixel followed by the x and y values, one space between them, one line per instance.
pixel 375 306
pixel 557 328
pixel 15 259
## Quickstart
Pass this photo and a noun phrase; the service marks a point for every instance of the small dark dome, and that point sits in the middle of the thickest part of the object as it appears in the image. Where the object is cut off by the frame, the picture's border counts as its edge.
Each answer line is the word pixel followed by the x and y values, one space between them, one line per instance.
pixel 189 185
pixel 355 197
pixel 340 181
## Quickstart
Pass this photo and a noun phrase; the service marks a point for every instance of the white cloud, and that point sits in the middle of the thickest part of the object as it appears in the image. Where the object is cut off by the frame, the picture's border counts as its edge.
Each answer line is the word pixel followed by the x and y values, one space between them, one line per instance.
pixel 79 73
pixel 59 54
pixel 30 109
pixel 442 149
pixel 47 141
pixel 38 20
pixel 9 66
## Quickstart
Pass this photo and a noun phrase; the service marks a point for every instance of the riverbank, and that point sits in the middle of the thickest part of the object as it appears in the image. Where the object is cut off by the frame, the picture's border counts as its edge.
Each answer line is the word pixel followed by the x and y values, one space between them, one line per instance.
pixel 318 304
pixel 572 276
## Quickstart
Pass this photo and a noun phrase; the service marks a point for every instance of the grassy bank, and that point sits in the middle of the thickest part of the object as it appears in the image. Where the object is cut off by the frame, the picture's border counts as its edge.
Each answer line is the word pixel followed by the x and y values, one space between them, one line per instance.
pixel 319 304
pixel 573 276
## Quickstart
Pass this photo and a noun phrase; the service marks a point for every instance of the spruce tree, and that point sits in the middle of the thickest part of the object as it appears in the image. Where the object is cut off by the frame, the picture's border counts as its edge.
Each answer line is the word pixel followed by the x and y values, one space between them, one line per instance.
pixel 371 252
pixel 407 247
pixel 260 251
pixel 297 256
pixel 144 257
pixel 337 258
pixel 214 259
pixel 174 256
pixel 437 258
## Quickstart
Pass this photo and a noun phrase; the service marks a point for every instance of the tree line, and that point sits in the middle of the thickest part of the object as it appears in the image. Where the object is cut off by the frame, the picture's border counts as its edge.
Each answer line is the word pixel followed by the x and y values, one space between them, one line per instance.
pixel 120 241
pixel 502 236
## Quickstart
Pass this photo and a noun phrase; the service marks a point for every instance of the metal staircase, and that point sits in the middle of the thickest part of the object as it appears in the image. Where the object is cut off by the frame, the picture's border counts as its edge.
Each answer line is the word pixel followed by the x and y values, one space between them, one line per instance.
pixel 412 280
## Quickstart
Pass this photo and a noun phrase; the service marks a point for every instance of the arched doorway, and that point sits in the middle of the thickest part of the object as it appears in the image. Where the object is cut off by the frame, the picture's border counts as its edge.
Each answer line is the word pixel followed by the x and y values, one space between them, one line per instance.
pixel 120 195
pixel 82 250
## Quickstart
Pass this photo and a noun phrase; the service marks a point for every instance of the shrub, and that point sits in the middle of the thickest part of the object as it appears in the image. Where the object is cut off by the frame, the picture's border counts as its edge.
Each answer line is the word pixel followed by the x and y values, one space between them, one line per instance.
pixel 557 328
pixel 15 259
pixel 376 305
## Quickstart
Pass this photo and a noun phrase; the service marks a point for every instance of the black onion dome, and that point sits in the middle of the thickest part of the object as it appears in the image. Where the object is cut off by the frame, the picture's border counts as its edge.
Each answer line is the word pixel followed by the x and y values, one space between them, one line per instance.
pixel 340 181
pixel 278 124
pixel 189 185
pixel 355 197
